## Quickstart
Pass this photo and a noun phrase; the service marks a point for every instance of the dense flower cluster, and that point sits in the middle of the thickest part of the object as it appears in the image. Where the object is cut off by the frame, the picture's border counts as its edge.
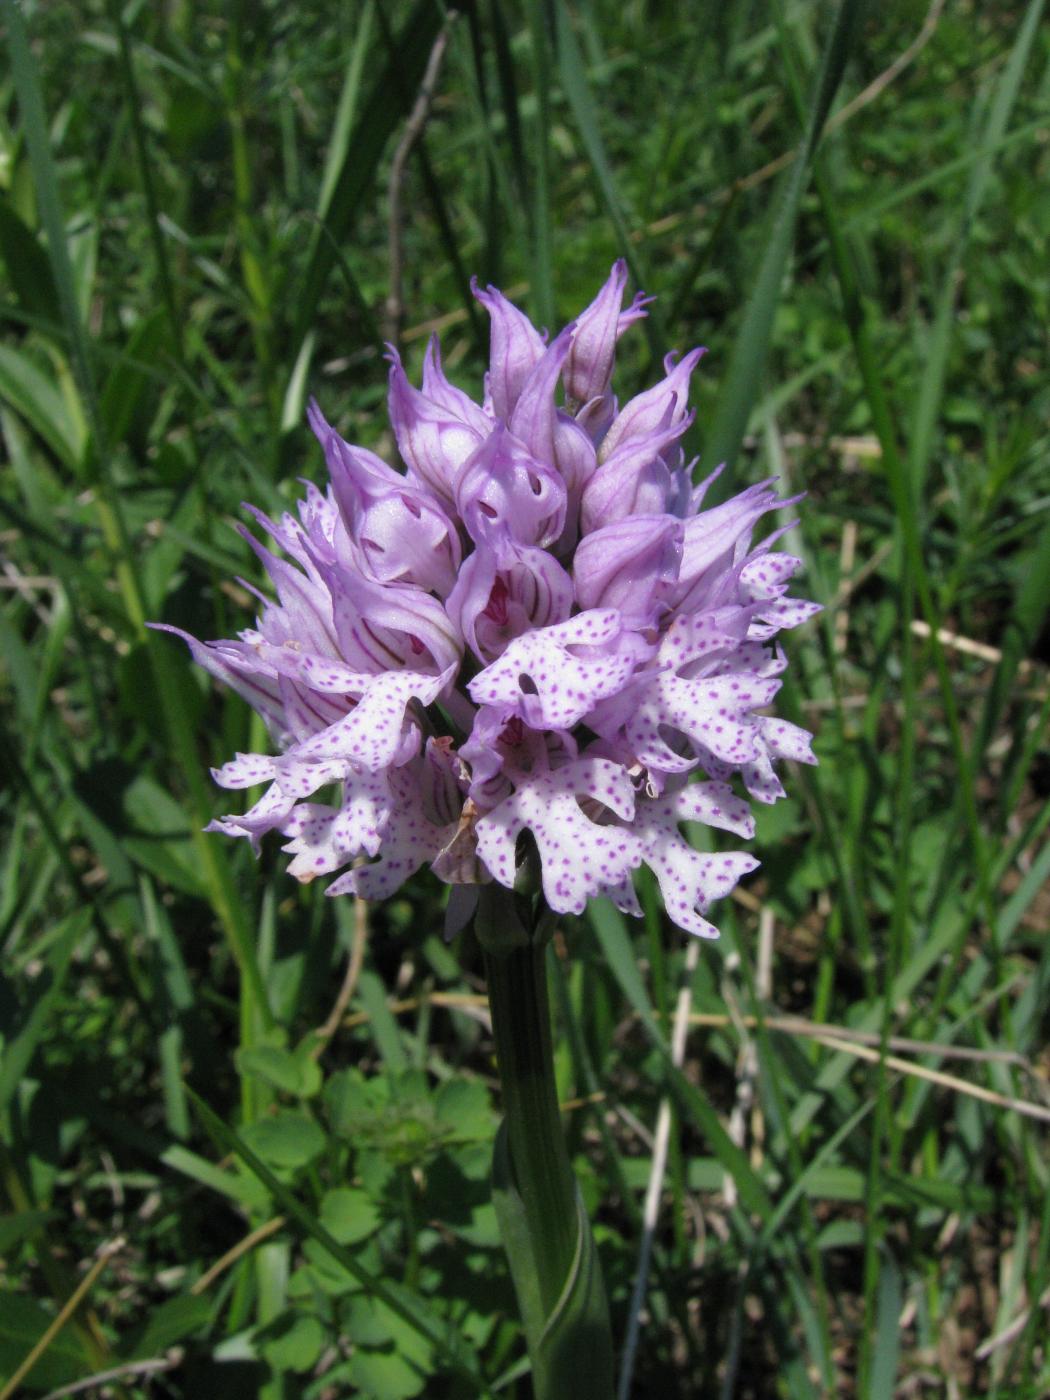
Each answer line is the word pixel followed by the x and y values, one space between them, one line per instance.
pixel 535 627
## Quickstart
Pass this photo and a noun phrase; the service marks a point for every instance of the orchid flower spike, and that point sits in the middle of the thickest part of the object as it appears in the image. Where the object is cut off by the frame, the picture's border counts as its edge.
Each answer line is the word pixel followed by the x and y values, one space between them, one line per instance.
pixel 532 626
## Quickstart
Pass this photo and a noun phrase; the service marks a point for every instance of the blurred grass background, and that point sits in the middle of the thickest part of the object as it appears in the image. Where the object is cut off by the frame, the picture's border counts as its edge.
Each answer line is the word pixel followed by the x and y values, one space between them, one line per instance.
pixel 847 1149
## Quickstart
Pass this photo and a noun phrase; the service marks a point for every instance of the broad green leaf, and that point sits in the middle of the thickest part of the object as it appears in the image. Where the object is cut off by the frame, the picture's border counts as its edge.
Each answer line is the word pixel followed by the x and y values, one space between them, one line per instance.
pixel 408 1343
pixel 365 1325
pixel 283 1069
pixel 513 1227
pixel 463 1105
pixel 384 1375
pixel 571 1339
pixel 349 1214
pixel 350 1099
pixel 286 1140
pixel 292 1342
pixel 171 1322
pixel 331 1277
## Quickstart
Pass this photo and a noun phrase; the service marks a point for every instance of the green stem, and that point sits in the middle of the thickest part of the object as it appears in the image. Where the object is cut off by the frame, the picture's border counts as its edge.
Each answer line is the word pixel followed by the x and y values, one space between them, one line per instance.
pixel 545 1231
pixel 517 985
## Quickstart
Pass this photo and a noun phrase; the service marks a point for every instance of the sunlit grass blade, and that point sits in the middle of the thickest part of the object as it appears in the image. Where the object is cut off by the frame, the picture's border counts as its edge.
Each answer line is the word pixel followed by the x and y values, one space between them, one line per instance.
pixel 33 395
pixel 935 360
pixel 356 174
pixel 339 139
pixel 572 72
pixel 742 381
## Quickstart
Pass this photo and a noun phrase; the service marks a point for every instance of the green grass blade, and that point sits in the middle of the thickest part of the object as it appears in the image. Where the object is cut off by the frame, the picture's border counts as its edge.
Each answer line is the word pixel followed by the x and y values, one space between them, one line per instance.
pixel 356 174
pixel 382 1023
pixel 887 1330
pixel 34 397
pixel 618 950
pixel 573 74
pixel 1031 603
pixel 935 358
pixel 20 1042
pixel 28 270
pixel 541 225
pixel 339 140
pixel 742 381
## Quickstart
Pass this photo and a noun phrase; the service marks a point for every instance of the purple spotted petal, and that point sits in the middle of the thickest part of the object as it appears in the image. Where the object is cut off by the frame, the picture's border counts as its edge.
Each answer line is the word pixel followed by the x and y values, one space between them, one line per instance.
pixel 290 784
pixel 681 716
pixel 715 804
pixel 245 770
pixel 782 614
pixel 371 734
pixel 553 677
pixel 323 838
pixel 689 882
pixel 409 840
pixel 580 857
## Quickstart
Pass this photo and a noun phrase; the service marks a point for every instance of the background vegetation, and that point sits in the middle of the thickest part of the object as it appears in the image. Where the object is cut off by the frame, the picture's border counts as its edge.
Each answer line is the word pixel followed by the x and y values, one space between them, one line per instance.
pixel 194 225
